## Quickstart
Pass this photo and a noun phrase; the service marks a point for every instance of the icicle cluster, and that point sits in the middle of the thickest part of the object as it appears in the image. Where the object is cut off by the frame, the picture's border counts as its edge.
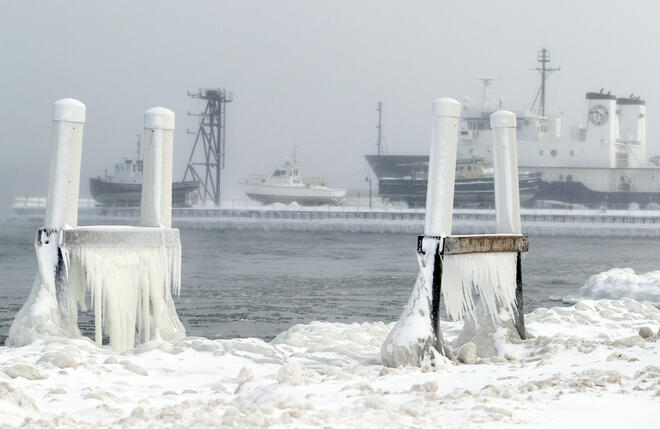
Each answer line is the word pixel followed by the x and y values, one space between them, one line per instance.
pixel 131 291
pixel 491 275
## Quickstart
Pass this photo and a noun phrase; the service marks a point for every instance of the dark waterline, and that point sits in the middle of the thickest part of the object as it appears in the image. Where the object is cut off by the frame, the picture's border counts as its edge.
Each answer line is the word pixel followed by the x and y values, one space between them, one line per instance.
pixel 258 284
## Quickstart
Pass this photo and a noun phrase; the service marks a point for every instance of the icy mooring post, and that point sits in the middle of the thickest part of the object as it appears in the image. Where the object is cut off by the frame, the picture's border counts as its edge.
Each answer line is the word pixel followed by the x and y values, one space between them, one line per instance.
pixel 129 272
pixel 455 267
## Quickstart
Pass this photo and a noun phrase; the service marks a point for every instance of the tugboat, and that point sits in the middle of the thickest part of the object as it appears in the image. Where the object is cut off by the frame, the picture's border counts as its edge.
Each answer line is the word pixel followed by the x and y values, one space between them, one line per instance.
pixel 286 185
pixel 123 187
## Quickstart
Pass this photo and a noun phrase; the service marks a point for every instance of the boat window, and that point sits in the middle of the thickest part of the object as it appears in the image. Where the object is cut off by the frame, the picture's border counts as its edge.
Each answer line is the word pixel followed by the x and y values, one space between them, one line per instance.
pixel 572 152
pixel 460 168
pixel 541 152
pixel 469 168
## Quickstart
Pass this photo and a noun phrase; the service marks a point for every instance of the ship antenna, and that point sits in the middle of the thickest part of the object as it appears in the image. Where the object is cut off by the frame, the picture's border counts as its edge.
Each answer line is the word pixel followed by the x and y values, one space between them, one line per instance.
pixel 138 147
pixel 485 81
pixel 545 70
pixel 379 143
pixel 294 155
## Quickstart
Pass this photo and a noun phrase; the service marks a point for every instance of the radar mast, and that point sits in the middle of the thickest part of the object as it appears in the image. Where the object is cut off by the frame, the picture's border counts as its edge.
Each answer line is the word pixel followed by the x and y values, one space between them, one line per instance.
pixel 546 71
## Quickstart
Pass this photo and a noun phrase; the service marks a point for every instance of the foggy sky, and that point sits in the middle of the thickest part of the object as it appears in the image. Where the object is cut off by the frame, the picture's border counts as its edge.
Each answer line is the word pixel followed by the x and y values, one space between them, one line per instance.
pixel 307 73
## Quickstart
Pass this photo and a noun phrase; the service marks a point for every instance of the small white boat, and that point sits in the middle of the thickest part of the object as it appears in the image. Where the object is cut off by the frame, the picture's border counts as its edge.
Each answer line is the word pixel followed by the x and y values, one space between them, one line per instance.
pixel 286 185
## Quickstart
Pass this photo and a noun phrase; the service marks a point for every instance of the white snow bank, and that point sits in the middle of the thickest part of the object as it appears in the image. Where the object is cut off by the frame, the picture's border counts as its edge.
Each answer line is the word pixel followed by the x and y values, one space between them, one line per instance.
pixel 618 283
pixel 583 359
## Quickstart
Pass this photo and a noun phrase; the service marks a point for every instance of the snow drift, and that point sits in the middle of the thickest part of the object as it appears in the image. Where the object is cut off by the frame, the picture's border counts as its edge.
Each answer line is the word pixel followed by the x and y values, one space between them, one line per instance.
pixel 618 283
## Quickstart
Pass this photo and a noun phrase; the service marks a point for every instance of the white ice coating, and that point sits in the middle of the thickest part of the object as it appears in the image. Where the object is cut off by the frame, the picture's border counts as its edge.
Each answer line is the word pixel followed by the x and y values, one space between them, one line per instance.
pixel 505 166
pixel 42 315
pixel 156 203
pixel 411 339
pixel 64 176
pixel 131 291
pixel 490 275
pixel 442 167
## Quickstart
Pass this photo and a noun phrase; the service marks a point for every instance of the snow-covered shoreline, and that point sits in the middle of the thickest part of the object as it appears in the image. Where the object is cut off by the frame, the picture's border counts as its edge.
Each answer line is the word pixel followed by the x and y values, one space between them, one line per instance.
pixel 586 366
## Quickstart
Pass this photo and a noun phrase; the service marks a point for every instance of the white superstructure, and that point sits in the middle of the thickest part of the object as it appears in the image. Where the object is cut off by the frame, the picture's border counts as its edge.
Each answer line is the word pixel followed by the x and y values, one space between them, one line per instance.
pixel 286 185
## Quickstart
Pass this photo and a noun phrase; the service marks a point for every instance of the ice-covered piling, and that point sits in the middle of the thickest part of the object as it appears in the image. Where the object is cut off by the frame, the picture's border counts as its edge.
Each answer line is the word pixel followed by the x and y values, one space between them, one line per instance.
pixel 130 272
pixel 417 333
pixel 507 195
pixel 442 167
pixel 505 166
pixel 156 203
pixel 49 311
pixel 64 175
pixel 456 267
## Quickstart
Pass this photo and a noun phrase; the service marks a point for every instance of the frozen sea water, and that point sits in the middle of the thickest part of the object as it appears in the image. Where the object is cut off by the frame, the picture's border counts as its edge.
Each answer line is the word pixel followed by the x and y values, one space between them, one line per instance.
pixel 259 284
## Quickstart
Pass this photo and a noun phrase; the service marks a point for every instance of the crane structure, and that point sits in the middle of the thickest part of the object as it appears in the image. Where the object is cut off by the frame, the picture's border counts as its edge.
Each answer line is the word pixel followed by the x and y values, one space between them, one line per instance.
pixel 207 157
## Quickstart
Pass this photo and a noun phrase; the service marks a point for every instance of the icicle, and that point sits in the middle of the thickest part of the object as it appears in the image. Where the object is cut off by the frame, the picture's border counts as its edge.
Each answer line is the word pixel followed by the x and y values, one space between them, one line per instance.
pixel 131 290
pixel 491 275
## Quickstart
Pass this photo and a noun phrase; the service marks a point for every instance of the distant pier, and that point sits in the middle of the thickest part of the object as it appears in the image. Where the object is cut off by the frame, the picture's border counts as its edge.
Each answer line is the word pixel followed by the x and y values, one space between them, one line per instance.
pixel 242 214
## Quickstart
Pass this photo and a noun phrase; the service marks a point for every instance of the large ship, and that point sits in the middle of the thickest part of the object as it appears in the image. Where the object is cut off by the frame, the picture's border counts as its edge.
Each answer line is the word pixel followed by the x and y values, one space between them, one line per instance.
pixel 602 162
pixel 123 187
pixel 286 185
pixel 404 178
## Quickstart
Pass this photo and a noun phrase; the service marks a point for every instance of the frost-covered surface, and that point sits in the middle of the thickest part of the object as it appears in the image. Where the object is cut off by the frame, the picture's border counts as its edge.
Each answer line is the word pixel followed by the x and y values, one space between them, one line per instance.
pixel 42 315
pixel 131 289
pixel 491 275
pixel 585 367
pixel 411 339
pixel 621 282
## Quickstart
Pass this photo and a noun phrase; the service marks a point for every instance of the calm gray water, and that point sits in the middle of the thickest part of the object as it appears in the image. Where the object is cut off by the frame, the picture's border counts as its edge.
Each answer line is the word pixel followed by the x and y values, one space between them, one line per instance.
pixel 258 284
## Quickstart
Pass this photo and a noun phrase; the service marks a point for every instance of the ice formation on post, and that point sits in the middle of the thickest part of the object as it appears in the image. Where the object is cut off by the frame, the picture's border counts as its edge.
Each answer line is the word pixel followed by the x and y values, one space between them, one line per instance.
pixel 131 285
pixel 130 272
pixel 414 337
pixel 458 267
pixel 491 276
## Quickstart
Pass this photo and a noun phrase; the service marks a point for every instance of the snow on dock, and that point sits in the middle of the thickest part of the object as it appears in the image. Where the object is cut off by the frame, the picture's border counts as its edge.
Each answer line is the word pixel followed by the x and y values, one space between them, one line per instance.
pixel 584 366
pixel 247 215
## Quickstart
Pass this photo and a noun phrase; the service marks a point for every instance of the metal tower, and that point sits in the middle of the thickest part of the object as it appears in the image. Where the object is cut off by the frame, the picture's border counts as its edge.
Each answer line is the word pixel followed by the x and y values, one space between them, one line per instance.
pixel 545 70
pixel 210 138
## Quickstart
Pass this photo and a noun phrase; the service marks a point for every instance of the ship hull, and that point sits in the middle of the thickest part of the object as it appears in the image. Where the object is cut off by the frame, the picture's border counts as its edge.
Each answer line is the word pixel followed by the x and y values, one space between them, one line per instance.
pixel 593 187
pixel 395 182
pixel 466 191
pixel 112 194
pixel 306 196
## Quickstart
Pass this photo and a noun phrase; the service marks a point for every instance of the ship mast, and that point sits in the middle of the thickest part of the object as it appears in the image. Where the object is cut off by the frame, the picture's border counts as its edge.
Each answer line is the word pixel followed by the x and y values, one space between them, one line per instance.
pixel 545 70
pixel 379 143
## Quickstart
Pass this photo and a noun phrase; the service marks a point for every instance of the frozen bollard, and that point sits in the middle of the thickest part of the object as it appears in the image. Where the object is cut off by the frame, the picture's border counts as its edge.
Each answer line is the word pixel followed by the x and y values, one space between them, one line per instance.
pixel 442 167
pixel 507 194
pixel 156 203
pixel 505 165
pixel 417 335
pixel 64 175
